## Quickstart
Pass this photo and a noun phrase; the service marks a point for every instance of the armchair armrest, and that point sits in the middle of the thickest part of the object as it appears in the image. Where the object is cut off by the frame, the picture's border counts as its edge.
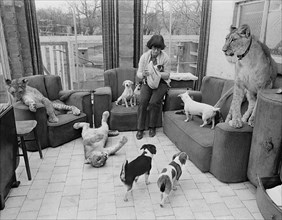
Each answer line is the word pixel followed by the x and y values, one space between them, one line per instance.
pixel 22 112
pixel 102 102
pixel 81 100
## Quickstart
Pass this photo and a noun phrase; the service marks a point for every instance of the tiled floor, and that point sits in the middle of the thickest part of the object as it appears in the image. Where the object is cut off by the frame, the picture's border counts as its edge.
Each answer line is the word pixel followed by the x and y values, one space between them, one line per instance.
pixel 63 187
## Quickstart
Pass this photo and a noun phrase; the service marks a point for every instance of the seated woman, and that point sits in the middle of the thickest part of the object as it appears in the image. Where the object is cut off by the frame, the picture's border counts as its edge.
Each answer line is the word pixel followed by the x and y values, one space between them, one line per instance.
pixel 151 97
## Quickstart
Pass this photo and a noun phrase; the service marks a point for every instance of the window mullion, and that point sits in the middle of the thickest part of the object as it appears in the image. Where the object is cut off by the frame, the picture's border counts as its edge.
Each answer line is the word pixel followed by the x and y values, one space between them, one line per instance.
pixel 264 21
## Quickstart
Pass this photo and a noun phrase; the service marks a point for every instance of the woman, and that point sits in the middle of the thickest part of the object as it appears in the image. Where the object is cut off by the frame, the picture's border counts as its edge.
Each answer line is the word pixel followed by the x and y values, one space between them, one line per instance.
pixel 151 98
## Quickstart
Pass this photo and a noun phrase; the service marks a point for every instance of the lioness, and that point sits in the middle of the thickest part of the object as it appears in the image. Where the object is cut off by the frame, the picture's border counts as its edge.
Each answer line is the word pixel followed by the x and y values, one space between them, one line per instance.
pixel 254 70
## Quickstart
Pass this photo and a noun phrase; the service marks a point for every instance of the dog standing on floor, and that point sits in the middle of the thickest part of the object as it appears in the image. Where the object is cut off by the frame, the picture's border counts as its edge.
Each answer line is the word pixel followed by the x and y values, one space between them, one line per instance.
pixel 127 94
pixel 168 179
pixel 192 107
pixel 141 165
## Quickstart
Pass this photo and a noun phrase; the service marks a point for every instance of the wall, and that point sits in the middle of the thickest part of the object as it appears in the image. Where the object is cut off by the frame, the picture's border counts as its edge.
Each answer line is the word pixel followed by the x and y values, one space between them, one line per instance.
pixel 221 19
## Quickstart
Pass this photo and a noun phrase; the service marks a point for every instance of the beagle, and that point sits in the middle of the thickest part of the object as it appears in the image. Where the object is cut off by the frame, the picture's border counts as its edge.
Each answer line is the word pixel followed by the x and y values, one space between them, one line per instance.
pixel 170 175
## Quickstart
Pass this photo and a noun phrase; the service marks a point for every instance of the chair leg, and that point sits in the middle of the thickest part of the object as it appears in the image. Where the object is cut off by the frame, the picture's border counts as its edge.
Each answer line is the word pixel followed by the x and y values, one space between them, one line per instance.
pixel 38 143
pixel 25 158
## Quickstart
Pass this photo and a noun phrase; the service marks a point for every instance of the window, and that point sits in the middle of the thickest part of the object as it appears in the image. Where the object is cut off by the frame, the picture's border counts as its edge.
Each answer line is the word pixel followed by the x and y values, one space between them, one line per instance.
pixel 264 18
pixel 4 68
pixel 67 29
pixel 179 22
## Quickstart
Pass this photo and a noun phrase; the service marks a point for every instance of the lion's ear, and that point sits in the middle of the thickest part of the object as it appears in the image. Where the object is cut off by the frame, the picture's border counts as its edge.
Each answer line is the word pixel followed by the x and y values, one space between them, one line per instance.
pixel 244 29
pixel 25 81
pixel 232 28
pixel 8 82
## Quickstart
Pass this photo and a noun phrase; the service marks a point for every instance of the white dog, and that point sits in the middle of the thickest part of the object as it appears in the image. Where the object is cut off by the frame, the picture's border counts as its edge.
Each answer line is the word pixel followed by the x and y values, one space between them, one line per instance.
pixel 168 178
pixel 136 93
pixel 127 93
pixel 192 107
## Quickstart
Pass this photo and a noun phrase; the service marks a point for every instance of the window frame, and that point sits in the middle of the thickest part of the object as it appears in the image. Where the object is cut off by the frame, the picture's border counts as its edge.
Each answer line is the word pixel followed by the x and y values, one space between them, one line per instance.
pixel 262 38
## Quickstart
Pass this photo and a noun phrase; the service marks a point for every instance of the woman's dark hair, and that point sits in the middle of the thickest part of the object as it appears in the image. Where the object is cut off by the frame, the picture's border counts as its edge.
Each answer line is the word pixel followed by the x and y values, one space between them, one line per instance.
pixel 156 41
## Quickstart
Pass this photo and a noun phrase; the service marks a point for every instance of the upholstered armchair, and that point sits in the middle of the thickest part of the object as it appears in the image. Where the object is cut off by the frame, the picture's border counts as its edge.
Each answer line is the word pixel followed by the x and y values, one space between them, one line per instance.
pixel 121 118
pixel 55 134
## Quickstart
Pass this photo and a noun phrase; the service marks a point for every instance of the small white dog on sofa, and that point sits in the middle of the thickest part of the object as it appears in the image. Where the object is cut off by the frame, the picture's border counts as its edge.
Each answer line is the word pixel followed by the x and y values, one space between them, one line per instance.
pixel 192 107
pixel 127 94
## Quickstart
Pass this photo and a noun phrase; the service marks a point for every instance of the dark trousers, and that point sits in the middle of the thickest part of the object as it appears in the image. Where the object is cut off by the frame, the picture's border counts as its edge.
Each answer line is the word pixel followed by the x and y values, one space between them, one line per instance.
pixel 151 99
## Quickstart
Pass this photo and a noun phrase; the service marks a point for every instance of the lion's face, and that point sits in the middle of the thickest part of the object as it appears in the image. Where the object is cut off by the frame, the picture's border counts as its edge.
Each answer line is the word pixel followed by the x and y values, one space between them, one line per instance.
pixel 16 88
pixel 98 158
pixel 236 42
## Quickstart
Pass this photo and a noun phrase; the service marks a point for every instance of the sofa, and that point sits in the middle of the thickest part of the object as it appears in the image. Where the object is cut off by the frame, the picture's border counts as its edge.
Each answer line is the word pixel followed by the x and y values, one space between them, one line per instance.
pixel 121 118
pixel 222 151
pixel 54 134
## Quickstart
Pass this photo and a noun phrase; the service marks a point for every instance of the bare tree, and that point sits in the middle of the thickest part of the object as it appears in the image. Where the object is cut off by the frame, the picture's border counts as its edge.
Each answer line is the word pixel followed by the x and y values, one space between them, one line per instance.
pixel 88 13
pixel 185 19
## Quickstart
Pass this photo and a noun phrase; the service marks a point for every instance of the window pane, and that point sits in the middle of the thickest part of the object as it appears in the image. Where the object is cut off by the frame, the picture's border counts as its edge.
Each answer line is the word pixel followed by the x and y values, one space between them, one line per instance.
pixel 251 14
pixel 58 21
pixel 184 18
pixel 273 32
pixel 3 73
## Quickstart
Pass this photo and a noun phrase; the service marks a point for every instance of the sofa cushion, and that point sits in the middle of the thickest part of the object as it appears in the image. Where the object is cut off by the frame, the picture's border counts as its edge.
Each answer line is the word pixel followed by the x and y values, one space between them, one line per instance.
pixel 122 118
pixel 53 86
pixel 190 137
pixel 125 119
pixel 115 77
pixel 63 131
pixel 38 83
pixel 212 89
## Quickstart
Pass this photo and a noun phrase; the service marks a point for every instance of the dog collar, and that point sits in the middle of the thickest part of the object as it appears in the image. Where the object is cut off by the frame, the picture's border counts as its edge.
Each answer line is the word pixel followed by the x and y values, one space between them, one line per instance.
pixel 240 57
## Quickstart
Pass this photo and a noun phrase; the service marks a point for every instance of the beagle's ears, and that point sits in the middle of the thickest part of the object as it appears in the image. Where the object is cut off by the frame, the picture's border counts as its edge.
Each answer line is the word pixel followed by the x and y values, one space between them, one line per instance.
pixel 183 157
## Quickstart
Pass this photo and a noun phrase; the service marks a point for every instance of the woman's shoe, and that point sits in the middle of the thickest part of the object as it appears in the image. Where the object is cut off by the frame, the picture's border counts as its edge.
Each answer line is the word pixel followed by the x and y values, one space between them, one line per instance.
pixel 152 132
pixel 139 135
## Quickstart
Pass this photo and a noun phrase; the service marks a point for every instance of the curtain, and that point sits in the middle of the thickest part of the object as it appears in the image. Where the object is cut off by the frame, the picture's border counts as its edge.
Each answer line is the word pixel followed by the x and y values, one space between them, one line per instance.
pixel 203 43
pixel 138 33
pixel 33 36
pixel 110 33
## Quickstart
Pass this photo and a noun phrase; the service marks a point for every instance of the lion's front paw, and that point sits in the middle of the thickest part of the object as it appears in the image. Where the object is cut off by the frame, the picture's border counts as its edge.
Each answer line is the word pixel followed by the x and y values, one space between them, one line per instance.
pixel 244 119
pixel 251 121
pixel 75 110
pixel 32 107
pixel 236 123
pixel 123 140
pixel 53 119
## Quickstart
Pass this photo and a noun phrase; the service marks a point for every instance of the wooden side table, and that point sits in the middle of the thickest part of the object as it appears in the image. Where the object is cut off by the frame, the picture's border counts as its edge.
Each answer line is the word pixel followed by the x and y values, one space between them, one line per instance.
pixel 267 136
pixel 8 154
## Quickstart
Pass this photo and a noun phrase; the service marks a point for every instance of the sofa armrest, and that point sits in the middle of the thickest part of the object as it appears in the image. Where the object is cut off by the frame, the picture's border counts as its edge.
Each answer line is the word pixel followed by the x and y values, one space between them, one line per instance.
pixel 230 156
pixel 81 100
pixel 102 102
pixel 173 102
pixel 22 112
